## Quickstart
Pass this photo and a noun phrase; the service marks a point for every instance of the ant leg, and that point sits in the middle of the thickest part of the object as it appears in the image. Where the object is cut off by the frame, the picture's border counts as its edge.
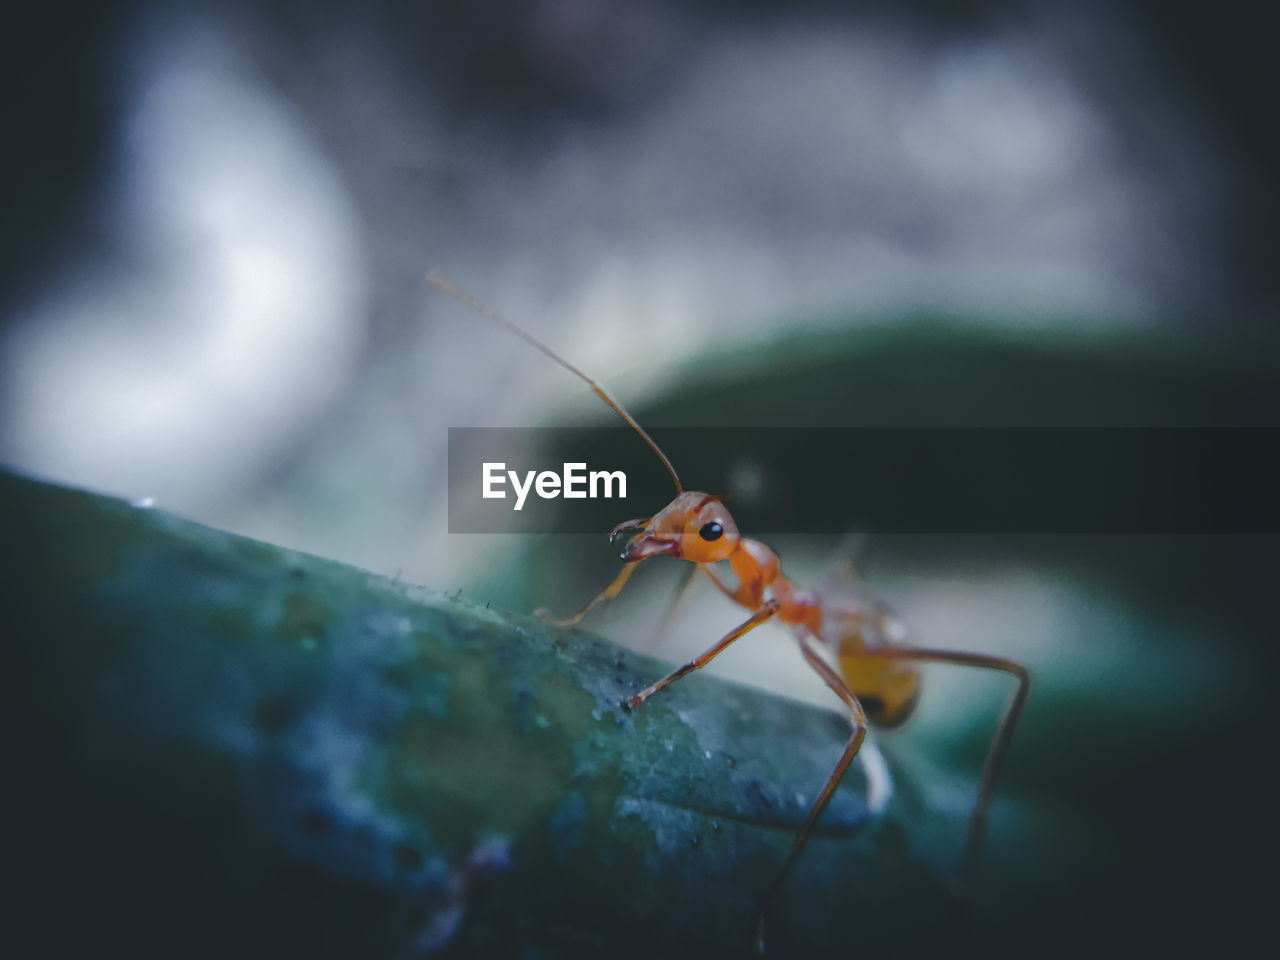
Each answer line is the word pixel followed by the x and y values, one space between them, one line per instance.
pixel 677 598
pixel 859 720
pixel 747 593
pixel 608 593
pixel 765 612
pixel 999 743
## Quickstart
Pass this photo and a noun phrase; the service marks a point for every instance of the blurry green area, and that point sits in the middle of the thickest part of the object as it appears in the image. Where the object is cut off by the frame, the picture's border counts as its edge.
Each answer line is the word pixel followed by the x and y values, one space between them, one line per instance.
pixel 937 372
pixel 1142 769
pixel 931 372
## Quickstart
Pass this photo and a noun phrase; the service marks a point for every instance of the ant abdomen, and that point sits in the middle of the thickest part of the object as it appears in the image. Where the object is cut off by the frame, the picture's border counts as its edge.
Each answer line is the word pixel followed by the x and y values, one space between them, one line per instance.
pixel 888 688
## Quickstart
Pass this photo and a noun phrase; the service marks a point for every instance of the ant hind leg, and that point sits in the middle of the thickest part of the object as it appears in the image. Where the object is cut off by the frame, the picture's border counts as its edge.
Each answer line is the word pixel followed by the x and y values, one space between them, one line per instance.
pixel 999 742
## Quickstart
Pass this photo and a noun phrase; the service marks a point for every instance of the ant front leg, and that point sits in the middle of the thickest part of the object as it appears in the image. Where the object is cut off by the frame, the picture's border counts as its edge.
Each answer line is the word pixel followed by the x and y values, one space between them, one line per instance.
pixel 608 593
pixel 748 593
pixel 767 611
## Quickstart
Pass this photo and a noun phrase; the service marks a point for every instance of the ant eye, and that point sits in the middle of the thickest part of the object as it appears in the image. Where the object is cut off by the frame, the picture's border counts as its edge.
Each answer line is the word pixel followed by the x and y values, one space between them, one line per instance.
pixel 711 531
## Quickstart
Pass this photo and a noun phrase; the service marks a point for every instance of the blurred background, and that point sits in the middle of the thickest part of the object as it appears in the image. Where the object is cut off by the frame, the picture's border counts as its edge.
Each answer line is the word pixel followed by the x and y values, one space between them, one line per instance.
pixel 219 219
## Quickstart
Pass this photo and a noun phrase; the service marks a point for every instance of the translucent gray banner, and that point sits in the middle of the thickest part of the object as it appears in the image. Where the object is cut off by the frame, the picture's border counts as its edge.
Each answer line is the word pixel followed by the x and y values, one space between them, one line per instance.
pixel 892 480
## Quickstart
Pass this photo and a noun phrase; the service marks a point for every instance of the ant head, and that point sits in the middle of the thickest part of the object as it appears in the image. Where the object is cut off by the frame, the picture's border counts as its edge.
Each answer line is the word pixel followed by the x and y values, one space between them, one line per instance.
pixel 694 526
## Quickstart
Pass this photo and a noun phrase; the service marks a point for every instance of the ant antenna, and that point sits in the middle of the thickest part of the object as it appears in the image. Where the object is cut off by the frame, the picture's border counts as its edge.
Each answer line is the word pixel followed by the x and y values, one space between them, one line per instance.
pixel 438 281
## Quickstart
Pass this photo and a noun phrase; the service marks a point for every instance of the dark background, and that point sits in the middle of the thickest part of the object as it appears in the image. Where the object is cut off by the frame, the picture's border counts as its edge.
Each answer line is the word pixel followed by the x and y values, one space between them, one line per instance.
pixel 589 172
pixel 62 98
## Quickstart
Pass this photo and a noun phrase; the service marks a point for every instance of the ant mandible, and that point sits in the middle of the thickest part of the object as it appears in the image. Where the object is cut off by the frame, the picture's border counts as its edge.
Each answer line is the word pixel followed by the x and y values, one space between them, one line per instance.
pixel 877 676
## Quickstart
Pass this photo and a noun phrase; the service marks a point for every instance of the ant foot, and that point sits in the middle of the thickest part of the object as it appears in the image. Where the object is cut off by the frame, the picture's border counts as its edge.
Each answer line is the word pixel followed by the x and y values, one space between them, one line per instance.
pixel 547 617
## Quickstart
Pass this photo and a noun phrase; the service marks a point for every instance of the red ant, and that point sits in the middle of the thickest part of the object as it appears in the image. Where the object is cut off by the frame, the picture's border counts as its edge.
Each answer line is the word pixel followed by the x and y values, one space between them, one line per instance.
pixel 877 675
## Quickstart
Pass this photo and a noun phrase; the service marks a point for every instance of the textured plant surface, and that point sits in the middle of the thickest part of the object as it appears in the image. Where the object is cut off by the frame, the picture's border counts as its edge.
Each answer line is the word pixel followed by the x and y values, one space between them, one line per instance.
pixel 224 748
pixel 232 747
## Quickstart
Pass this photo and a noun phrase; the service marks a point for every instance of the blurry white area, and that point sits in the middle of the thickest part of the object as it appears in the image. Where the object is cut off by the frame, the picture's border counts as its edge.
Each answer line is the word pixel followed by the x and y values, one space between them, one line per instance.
pixel 810 173
pixel 791 172
pixel 225 313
